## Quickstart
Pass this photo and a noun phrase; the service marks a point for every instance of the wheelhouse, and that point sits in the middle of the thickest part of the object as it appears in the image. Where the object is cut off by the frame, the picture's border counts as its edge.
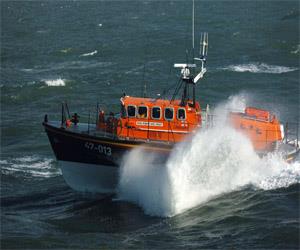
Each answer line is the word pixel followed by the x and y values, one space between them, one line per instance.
pixel 158 119
pixel 155 119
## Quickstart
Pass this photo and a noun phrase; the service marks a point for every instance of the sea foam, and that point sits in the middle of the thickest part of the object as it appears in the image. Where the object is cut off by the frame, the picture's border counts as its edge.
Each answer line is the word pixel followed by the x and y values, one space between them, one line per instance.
pixel 55 83
pixel 30 166
pixel 212 162
pixel 259 68
pixel 90 53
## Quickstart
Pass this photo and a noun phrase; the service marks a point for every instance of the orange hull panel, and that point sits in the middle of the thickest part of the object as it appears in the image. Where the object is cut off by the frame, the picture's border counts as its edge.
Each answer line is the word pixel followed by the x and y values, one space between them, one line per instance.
pixel 263 134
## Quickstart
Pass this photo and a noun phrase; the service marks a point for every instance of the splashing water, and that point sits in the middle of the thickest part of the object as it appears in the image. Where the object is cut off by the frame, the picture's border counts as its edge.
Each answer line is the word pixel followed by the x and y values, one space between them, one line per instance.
pixel 212 162
pixel 145 183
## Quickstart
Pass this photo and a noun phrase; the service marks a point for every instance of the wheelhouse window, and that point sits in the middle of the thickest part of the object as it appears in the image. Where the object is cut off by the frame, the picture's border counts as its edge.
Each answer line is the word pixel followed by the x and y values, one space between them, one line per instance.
pixel 169 113
pixel 156 111
pixel 131 111
pixel 181 114
pixel 142 112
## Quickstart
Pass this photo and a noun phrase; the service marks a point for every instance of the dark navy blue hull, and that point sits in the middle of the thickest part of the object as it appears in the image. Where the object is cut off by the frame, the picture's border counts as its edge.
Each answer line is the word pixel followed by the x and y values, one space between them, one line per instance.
pixel 86 148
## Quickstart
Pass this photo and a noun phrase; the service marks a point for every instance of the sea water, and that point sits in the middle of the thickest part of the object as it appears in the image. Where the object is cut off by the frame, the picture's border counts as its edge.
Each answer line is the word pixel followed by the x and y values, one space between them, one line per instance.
pixel 214 191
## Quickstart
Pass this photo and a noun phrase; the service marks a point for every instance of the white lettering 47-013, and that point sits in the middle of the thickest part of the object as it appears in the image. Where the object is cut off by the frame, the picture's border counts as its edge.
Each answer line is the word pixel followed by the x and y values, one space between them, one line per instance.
pixel 98 148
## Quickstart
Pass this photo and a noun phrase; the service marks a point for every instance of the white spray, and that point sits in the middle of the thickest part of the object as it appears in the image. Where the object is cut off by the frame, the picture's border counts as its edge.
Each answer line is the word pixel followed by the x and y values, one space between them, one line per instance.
pixel 212 162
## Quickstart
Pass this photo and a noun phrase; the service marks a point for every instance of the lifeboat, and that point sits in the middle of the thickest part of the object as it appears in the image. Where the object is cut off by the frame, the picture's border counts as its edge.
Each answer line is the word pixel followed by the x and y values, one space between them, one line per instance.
pixel 89 154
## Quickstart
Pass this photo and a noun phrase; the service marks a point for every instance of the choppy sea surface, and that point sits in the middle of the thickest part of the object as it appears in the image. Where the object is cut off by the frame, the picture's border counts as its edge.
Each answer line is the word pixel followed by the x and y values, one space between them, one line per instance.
pixel 214 193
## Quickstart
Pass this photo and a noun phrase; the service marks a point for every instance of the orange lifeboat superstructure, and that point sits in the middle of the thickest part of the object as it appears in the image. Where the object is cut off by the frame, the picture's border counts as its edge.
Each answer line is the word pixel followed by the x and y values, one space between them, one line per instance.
pixel 162 120
pixel 158 119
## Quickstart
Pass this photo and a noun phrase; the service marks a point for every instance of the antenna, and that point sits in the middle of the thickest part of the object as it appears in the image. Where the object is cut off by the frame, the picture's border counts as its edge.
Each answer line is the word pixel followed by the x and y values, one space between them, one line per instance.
pixel 203 54
pixel 145 83
pixel 193 26
pixel 145 89
pixel 203 44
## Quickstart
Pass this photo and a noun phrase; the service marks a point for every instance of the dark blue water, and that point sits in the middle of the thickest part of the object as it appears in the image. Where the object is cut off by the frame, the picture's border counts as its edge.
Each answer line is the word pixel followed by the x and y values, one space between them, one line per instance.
pixel 89 52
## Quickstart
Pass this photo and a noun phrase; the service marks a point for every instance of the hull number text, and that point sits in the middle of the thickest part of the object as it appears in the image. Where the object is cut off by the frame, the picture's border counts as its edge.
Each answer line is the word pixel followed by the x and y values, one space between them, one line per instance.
pixel 98 148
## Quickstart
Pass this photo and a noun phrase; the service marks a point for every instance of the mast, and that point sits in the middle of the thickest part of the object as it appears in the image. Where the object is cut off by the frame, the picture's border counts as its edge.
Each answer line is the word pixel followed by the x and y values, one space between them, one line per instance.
pixel 187 77
pixel 193 27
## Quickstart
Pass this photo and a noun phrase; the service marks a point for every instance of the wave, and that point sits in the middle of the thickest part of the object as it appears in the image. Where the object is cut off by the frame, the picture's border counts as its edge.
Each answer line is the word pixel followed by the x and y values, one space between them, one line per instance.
pixel 293 14
pixel 213 162
pixel 30 166
pixel 259 68
pixel 55 83
pixel 40 83
pixel 90 53
pixel 68 65
pixel 138 70
pixel 67 50
pixel 296 50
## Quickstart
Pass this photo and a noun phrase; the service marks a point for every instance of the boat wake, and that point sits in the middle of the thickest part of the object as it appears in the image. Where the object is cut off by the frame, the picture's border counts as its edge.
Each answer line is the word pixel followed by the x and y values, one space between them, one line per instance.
pixel 259 68
pixel 29 166
pixel 213 162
